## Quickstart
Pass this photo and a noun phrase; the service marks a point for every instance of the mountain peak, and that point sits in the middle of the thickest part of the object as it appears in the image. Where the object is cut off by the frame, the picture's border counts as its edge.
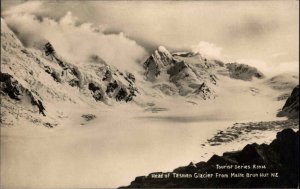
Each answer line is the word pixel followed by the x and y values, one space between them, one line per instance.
pixel 162 53
pixel 159 59
pixel 162 49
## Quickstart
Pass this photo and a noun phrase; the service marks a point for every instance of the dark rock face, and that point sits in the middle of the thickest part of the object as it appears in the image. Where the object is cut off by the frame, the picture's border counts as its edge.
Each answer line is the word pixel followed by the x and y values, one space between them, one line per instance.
pixel 122 94
pixel 243 72
pixel 38 103
pixel 49 125
pixel 107 75
pixel 160 59
pixel 152 69
pixel 88 117
pixel 281 157
pixel 291 106
pixel 50 51
pixel 69 74
pixel 12 88
pixel 176 68
pixel 111 87
pixel 239 130
pixel 55 75
pixel 96 92
pixel 48 48
pixel 185 54
pixel 130 78
pixel 74 83
pixel 204 91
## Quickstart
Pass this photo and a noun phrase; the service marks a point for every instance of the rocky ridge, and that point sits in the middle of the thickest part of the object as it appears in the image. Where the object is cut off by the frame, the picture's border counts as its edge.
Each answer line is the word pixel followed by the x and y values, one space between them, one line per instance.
pixel 280 157
pixel 243 72
pixel 45 78
pixel 291 106
pixel 241 131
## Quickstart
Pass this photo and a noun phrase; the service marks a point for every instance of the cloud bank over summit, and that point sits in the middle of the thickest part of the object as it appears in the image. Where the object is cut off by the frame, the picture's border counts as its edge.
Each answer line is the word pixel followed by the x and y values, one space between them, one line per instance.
pixel 123 33
pixel 73 40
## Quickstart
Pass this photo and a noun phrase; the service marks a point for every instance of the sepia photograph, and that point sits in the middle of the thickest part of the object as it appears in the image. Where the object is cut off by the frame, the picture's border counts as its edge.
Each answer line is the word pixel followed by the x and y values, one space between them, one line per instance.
pixel 149 94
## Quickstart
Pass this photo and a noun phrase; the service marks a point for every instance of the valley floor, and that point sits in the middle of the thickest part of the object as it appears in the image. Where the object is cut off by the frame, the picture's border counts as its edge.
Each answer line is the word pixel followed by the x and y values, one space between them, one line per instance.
pixel 118 143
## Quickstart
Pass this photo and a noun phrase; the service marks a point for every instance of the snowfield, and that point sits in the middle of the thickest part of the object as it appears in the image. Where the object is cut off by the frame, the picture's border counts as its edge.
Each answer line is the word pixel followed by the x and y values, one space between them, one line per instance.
pixel 120 143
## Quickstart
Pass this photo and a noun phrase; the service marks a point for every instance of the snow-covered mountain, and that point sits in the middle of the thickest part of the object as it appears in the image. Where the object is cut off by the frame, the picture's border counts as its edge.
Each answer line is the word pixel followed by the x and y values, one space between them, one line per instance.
pixel 192 75
pixel 32 80
pixel 35 83
pixel 176 74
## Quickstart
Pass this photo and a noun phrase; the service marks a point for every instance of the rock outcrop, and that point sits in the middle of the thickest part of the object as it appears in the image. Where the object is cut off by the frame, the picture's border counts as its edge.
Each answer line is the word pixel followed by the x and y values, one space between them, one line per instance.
pixel 243 72
pixel 291 106
pixel 255 166
pixel 13 89
pixel 160 59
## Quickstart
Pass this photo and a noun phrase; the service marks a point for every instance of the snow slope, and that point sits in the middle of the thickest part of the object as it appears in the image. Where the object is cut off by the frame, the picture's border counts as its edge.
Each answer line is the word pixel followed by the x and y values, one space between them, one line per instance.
pixel 43 76
pixel 283 84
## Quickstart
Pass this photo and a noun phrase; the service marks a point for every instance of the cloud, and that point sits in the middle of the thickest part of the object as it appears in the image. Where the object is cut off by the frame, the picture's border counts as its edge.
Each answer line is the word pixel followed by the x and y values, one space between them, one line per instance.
pixel 251 27
pixel 27 7
pixel 208 50
pixel 279 54
pixel 242 35
pixel 272 69
pixel 73 40
pixel 269 68
pixel 283 67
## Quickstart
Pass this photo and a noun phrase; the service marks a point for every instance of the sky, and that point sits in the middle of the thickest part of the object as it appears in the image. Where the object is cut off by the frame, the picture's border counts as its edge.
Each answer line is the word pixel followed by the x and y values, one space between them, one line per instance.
pixel 261 33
